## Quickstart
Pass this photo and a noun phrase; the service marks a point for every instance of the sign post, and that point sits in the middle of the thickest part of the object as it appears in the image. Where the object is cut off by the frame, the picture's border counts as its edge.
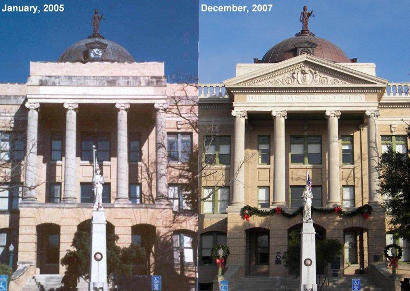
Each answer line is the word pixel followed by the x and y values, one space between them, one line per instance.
pixel 355 284
pixel 3 282
pixel 223 285
pixel 156 283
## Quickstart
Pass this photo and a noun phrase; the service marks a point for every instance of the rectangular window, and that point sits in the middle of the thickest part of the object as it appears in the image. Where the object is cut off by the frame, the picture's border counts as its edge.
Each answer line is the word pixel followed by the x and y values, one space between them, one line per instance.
pixel 348 196
pixel 306 149
pixel 87 193
pixel 10 196
pixel 16 195
pixel 19 147
pixel 3 243
pixel 218 150
pixel 134 149
pixel 4 146
pixel 215 199
pixel 263 197
pixel 4 198
pixel 264 149
pixel 56 147
pixel 102 144
pixel 179 147
pixel 54 193
pixel 135 193
pixel 347 149
pixel 177 193
pixel 397 142
pixel 296 193
pixel 208 241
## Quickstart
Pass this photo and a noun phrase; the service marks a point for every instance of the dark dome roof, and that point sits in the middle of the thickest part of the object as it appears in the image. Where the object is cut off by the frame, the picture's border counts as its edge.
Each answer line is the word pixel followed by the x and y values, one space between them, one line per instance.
pixel 305 43
pixel 112 52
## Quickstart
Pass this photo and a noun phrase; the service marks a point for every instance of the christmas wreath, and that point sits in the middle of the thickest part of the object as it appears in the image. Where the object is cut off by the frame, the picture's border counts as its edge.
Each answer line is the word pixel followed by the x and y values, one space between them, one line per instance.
pixel 394 259
pixel 220 253
pixel 248 211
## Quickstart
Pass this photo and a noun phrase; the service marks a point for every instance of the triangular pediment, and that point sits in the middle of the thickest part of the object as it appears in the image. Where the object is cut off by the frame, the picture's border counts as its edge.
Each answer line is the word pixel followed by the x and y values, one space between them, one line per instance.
pixel 305 71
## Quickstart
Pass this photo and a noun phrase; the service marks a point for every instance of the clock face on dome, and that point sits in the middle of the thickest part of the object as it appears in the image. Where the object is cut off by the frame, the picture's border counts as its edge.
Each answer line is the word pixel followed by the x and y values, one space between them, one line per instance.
pixel 96 53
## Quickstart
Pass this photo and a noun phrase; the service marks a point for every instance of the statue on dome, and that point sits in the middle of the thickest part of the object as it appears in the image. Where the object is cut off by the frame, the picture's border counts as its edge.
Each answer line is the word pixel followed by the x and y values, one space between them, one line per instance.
pixel 96 23
pixel 304 18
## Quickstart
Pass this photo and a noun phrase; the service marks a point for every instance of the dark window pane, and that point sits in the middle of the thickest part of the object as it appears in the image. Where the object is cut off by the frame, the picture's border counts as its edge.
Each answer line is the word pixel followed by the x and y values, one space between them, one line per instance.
pixel 225 159
pixel 54 193
pixel 314 158
pixel 317 196
pixel 297 158
pixel 186 147
pixel 102 156
pixel 210 159
pixel 106 195
pixel 135 151
pixel 53 248
pixel 87 195
pixel 135 193
pixel 296 196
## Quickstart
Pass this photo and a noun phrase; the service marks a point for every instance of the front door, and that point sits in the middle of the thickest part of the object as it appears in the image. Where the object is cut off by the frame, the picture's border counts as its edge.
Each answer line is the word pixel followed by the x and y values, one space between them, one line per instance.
pixel 258 252
pixel 48 252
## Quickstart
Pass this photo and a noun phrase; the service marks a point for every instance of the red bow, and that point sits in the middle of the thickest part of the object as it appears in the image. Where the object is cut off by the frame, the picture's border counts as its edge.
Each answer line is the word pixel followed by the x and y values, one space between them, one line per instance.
pixel 337 209
pixel 278 210
pixel 246 216
pixel 365 215
pixel 393 262
pixel 220 261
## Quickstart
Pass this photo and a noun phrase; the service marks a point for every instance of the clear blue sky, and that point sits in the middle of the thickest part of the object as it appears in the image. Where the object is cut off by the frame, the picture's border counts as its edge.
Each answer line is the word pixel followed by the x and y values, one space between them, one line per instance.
pixel 151 30
pixel 375 31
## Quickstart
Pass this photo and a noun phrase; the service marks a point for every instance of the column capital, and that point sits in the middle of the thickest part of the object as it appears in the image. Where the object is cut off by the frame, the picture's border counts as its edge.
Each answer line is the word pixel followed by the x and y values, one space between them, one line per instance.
pixel 280 113
pixel 160 106
pixel 240 113
pixel 122 106
pixel 372 113
pixel 71 106
pixel 333 113
pixel 32 105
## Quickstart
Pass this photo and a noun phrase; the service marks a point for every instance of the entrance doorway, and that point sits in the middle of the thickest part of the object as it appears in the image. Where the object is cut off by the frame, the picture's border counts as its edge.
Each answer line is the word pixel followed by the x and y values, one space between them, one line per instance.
pixel 257 246
pixel 48 248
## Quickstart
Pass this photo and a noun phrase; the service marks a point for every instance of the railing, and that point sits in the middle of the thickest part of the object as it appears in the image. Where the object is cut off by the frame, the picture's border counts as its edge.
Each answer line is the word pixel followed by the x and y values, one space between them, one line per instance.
pixel 219 91
pixel 397 90
pixel 212 91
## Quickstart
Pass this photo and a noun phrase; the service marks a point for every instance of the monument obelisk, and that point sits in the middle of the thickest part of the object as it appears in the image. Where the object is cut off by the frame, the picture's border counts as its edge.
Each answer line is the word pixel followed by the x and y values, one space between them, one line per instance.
pixel 308 243
pixel 98 268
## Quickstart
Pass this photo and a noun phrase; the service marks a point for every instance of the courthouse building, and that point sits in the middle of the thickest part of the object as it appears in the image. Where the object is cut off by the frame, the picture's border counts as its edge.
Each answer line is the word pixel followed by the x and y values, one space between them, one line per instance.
pixel 96 94
pixel 305 107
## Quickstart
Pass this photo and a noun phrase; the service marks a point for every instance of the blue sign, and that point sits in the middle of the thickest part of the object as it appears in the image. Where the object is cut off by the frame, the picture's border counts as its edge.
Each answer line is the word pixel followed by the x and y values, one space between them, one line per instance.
pixel 3 282
pixel 224 285
pixel 155 283
pixel 355 284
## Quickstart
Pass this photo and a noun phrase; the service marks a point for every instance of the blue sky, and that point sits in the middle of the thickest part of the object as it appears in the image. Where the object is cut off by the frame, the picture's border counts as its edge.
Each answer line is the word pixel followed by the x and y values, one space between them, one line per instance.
pixel 151 30
pixel 375 31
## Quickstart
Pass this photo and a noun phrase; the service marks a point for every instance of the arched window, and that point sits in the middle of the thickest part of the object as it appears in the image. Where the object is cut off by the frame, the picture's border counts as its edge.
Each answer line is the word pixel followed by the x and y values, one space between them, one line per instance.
pixel 208 241
pixel 183 248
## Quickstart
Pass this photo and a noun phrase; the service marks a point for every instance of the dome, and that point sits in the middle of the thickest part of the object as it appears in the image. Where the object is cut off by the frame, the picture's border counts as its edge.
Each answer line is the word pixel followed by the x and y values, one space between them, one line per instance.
pixel 305 44
pixel 96 49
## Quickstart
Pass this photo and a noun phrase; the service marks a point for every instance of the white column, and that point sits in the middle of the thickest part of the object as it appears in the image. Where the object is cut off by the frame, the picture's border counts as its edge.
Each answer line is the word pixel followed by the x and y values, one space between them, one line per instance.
pixel 161 150
pixel 333 188
pixel 70 172
pixel 279 191
pixel 122 153
pixel 373 154
pixel 30 193
pixel 239 159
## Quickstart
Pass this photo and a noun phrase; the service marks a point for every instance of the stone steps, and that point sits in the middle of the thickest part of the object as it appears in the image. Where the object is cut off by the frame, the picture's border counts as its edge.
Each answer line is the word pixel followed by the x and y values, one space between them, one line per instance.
pixel 30 286
pixel 49 282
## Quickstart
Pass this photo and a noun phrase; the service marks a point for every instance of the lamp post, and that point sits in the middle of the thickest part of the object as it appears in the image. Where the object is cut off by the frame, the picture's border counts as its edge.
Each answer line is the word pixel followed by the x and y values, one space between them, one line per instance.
pixel 11 255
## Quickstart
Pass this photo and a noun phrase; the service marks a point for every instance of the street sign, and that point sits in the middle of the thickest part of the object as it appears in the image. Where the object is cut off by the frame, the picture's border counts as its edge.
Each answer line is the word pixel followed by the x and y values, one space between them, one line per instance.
pixel 3 282
pixel 355 284
pixel 224 285
pixel 155 283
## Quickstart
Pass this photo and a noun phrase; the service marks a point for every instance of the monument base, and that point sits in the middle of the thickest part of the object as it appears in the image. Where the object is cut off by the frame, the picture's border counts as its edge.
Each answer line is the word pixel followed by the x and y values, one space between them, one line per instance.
pixel 308 258
pixel 98 271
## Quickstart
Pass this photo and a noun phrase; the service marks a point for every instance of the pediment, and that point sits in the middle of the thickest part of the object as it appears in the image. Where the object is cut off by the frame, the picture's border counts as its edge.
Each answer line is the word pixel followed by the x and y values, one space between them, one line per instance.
pixel 305 71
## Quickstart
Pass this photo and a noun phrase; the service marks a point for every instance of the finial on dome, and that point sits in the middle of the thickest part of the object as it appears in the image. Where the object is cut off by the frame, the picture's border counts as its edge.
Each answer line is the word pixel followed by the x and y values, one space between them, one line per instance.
pixel 304 18
pixel 95 20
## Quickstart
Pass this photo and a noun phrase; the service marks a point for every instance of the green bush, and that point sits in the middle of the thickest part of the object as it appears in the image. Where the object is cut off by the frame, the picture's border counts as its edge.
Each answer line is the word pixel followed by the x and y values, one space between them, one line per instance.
pixel 6 270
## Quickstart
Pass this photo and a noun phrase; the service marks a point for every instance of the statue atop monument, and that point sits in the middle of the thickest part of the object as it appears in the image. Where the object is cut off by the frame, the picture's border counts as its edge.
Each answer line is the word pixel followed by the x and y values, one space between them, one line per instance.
pixel 307 200
pixel 96 19
pixel 304 18
pixel 98 182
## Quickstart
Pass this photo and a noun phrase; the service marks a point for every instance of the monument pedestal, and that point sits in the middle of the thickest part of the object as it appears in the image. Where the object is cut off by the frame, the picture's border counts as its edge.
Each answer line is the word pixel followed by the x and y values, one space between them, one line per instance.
pixel 98 272
pixel 308 258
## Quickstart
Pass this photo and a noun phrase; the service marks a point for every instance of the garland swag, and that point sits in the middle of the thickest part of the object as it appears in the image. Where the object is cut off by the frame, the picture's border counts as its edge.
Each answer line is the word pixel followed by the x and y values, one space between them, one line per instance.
pixel 248 211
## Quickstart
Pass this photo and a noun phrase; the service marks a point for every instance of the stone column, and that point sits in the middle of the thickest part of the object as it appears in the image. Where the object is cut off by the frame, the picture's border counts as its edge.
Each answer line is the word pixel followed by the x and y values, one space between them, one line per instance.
pixel 239 159
pixel 373 154
pixel 161 150
pixel 70 173
pixel 279 191
pixel 333 189
pixel 30 193
pixel 122 153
